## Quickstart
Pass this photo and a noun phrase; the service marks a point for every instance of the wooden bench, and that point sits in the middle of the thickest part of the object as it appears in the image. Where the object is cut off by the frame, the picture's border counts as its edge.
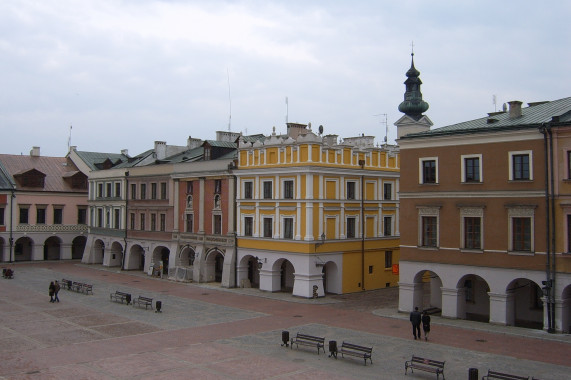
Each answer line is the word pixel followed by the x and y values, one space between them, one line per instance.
pixel 120 297
pixel 423 364
pixel 308 340
pixel 139 301
pixel 355 350
pixel 503 376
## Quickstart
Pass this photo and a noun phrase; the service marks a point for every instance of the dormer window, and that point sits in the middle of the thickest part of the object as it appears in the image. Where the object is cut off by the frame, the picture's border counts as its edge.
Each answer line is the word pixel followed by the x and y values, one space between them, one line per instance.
pixel 31 178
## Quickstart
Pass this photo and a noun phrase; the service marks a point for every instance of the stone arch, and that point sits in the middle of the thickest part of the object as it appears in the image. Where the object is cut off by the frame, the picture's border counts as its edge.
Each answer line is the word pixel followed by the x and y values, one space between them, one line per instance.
pixel 78 246
pixel 186 257
pixel 115 256
pixel 566 310
pixel 98 251
pixel 136 258
pixel 161 254
pixel 52 248
pixel 474 299
pixel 248 272
pixel 429 296
pixel 286 272
pixel 331 278
pixel 214 265
pixel 23 249
pixel 525 305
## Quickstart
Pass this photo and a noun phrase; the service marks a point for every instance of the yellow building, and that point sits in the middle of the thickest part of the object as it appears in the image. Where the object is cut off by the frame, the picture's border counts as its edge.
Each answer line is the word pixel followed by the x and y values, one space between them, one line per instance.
pixel 316 215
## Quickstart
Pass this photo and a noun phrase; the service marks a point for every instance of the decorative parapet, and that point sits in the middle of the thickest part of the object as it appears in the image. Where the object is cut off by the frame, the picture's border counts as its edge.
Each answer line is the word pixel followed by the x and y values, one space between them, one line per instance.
pixel 205 239
pixel 51 228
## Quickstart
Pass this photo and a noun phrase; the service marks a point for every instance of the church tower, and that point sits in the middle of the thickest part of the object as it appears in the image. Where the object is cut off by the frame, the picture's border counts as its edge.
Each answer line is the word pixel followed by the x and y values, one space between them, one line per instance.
pixel 413 106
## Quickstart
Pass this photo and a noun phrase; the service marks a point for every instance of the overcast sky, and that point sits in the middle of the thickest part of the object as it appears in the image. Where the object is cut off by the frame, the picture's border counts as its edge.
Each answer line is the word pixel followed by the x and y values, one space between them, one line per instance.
pixel 127 73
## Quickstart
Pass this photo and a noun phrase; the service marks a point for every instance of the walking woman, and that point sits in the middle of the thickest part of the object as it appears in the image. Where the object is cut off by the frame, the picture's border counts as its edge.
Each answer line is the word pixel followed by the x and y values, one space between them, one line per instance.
pixel 426 324
pixel 51 291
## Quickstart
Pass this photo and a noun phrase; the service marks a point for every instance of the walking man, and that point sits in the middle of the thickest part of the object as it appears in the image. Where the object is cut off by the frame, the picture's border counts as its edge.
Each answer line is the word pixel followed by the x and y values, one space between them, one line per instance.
pixel 426 324
pixel 51 291
pixel 415 320
pixel 56 291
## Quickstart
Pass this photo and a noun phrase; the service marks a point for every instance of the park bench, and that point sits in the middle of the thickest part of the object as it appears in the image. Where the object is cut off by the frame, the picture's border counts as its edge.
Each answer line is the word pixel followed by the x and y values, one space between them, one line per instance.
pixel 503 376
pixel 308 340
pixel 120 297
pixel 139 301
pixel 87 288
pixel 423 364
pixel 66 284
pixel 355 350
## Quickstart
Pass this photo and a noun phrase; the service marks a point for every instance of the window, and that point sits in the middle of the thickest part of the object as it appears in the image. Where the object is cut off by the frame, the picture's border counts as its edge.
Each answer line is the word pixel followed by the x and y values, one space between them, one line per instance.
pixel 1 216
pixel 99 190
pixel 217 224
pixel 143 222
pixel 521 166
pixel 472 233
pixel 370 269
pixel 163 222
pixel 429 231
pixel 388 225
pixel 133 191
pixel 288 189
pixel 248 187
pixel 428 170
pixel 189 223
pixel 108 191
pixel 267 190
pixel 58 215
pixel 388 259
pixel 350 190
pixel 351 228
pixel 117 219
pixel 189 187
pixel 99 217
pixel 268 224
pixel 163 190
pixel 471 169
pixel 153 222
pixel 153 190
pixel 469 291
pixel 217 186
pixel 568 233
pixel 40 215
pixel 521 234
pixel 569 164
pixel 143 191
pixel 118 189
pixel 132 220
pixel 81 215
pixel 288 228
pixel 388 191
pixel 248 226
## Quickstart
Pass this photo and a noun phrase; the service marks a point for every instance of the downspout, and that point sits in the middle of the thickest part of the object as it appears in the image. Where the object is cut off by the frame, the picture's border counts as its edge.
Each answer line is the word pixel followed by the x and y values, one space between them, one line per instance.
pixel 547 287
pixel 12 197
pixel 362 163
pixel 553 248
pixel 126 215
pixel 235 205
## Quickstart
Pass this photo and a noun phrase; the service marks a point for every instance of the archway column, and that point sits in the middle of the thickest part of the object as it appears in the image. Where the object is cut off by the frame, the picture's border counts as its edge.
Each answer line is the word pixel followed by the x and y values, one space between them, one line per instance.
pixel 228 274
pixel 501 308
pixel 410 295
pixel 37 252
pixel 65 252
pixel 270 280
pixel 304 283
pixel 241 273
pixel 561 308
pixel 451 299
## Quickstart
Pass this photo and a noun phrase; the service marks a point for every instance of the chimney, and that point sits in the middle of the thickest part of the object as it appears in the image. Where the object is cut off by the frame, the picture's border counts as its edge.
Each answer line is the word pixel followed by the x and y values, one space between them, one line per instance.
pixel 192 143
pixel 125 152
pixel 160 149
pixel 35 152
pixel 515 109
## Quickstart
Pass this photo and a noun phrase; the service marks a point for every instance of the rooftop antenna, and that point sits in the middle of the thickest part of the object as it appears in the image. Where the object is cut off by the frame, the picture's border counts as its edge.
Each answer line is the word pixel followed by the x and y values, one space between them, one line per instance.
pixel 287 110
pixel 230 102
pixel 494 102
pixel 69 139
pixel 385 122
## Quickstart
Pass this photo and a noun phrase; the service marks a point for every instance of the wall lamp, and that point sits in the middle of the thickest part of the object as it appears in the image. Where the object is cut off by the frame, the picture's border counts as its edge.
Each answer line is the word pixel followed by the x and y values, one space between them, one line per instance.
pixel 322 240
pixel 261 262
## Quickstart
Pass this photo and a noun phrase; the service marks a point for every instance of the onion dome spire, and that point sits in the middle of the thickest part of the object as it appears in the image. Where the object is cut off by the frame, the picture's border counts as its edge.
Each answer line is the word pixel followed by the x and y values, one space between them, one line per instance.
pixel 413 105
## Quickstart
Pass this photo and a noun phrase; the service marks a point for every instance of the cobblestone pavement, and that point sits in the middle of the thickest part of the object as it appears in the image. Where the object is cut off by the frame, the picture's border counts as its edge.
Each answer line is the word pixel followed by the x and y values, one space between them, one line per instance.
pixel 206 332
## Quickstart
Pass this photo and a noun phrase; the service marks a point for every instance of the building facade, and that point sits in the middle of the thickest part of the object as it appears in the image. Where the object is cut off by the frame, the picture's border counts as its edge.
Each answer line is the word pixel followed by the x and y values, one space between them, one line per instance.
pixel 485 216
pixel 315 215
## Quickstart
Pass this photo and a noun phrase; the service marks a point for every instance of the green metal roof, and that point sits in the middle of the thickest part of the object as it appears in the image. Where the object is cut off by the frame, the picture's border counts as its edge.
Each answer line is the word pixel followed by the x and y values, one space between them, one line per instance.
pixel 6 182
pixel 531 117
pixel 91 159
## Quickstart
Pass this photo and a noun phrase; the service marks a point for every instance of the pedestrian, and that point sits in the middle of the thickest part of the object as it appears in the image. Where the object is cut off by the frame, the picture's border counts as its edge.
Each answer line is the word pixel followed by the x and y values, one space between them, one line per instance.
pixel 426 324
pixel 51 291
pixel 415 320
pixel 56 291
